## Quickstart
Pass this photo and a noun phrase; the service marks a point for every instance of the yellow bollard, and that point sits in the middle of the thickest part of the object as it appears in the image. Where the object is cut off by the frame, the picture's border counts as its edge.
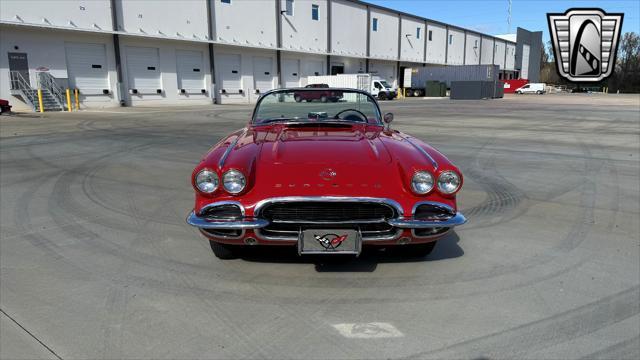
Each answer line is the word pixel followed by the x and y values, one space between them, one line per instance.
pixel 40 100
pixel 69 100
pixel 77 93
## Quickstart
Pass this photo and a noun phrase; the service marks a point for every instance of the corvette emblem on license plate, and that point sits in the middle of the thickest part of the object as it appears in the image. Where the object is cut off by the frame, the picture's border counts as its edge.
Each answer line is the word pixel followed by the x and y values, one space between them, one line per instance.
pixel 327 241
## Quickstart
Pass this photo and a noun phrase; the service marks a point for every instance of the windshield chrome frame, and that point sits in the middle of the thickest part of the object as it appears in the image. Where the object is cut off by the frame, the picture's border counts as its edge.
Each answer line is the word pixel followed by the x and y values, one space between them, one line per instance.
pixel 275 91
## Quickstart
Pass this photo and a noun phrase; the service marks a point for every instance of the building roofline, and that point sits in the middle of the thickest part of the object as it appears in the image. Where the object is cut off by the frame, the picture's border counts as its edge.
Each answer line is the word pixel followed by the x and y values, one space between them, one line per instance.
pixel 417 17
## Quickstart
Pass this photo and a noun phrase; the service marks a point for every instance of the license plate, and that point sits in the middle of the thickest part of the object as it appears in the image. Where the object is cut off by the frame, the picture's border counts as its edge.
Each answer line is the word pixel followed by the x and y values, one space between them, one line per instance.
pixel 329 241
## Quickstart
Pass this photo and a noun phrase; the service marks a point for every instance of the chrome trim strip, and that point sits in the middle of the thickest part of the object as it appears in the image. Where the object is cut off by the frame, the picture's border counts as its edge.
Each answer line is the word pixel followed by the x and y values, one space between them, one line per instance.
pixel 260 204
pixel 457 219
pixel 242 233
pixel 222 203
pixel 230 148
pixel 423 151
pixel 261 236
pixel 433 203
pixel 339 222
pixel 204 223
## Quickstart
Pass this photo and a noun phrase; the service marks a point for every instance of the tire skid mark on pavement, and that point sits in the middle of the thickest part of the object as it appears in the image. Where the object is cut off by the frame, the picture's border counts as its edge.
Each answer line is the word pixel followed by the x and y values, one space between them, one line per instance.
pixel 556 329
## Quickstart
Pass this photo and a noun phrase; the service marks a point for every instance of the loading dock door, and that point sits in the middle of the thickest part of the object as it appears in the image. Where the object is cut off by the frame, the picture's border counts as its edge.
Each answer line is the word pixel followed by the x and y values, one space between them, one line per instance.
pixel 524 74
pixel 291 73
pixel 143 69
pixel 262 78
pixel 190 70
pixel 229 72
pixel 87 67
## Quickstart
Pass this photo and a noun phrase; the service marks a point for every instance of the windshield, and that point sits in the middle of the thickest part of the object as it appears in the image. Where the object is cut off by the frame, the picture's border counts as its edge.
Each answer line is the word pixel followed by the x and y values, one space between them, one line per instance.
pixel 313 105
pixel 385 84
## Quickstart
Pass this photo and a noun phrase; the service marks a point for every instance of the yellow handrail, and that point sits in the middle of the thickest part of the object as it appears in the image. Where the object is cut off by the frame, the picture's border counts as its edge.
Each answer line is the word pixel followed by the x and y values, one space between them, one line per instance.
pixel 69 100
pixel 40 100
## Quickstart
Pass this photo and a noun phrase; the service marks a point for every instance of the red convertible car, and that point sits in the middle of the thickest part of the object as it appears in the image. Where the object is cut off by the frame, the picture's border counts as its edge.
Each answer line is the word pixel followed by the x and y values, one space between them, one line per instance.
pixel 325 177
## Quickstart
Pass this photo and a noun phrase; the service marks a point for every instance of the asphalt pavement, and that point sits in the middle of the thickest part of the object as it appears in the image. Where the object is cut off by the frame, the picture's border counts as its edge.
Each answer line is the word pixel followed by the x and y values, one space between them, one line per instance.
pixel 96 260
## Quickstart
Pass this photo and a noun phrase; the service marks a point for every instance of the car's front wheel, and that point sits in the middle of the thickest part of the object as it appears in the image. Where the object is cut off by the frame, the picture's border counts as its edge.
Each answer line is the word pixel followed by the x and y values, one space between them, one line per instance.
pixel 297 98
pixel 417 250
pixel 224 251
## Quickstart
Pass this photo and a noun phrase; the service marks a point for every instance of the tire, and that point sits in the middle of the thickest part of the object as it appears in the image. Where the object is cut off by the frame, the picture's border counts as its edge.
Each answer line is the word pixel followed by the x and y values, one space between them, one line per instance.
pixel 382 96
pixel 519 92
pixel 417 250
pixel 323 99
pixel 417 93
pixel 539 92
pixel 223 251
pixel 297 98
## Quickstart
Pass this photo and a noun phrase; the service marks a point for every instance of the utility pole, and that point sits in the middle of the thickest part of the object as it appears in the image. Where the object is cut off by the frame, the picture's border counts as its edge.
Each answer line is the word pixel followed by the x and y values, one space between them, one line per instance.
pixel 509 17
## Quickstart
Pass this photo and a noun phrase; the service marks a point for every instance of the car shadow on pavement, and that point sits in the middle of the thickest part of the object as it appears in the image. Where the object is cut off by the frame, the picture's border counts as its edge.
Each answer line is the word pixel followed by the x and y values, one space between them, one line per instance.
pixel 371 256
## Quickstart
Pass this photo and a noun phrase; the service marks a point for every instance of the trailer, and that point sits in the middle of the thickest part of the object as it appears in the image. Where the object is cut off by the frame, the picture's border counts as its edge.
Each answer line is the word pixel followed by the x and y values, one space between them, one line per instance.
pixel 374 85
pixel 415 79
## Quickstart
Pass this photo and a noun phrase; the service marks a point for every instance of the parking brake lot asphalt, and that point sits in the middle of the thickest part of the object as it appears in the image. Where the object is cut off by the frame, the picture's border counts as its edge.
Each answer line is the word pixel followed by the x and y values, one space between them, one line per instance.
pixel 96 260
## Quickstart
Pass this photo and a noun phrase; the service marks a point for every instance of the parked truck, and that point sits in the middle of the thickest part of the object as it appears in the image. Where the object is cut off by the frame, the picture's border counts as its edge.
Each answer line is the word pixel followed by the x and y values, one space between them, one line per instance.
pixel 416 79
pixel 374 85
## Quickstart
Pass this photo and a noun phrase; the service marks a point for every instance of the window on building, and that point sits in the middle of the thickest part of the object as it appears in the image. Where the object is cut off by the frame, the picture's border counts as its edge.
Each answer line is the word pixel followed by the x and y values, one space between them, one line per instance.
pixel 430 35
pixel 450 39
pixel 375 24
pixel 315 12
pixel 418 33
pixel 289 8
pixel 225 1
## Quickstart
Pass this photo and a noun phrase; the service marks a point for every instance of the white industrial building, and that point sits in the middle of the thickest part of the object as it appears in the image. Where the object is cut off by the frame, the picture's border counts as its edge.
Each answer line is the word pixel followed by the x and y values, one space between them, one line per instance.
pixel 135 52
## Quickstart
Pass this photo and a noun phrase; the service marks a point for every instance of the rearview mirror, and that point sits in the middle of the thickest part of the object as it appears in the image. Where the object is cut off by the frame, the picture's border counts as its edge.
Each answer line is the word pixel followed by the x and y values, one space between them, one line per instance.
pixel 388 118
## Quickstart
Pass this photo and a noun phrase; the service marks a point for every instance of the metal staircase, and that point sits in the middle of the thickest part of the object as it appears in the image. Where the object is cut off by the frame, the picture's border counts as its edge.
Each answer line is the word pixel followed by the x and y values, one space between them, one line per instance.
pixel 52 93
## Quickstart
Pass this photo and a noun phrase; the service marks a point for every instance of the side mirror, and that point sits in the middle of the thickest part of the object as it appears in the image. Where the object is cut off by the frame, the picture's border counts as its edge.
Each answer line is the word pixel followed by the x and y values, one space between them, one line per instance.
pixel 388 118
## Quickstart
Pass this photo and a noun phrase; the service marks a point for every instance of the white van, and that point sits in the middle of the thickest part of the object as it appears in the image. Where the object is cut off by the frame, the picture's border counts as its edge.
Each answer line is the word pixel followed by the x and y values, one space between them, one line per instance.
pixel 532 88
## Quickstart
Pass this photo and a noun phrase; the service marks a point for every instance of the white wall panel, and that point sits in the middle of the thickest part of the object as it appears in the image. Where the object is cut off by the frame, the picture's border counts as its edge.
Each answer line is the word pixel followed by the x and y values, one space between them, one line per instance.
pixel 237 69
pixel 499 49
pixel 190 66
pixel 245 22
pixel 524 72
pixel 472 50
pixel 511 57
pixel 178 19
pixel 229 72
pixel 412 37
pixel 455 52
pixel 384 41
pixel 300 31
pixel 87 67
pixel 436 44
pixel 486 57
pixel 81 14
pixel 348 28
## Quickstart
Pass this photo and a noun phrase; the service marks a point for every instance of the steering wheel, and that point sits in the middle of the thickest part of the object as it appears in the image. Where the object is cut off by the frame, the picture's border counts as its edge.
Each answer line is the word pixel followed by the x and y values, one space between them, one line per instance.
pixel 361 116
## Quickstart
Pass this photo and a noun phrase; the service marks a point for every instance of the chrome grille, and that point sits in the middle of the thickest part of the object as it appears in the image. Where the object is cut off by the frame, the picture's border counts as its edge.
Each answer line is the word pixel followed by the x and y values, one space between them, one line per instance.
pixel 287 219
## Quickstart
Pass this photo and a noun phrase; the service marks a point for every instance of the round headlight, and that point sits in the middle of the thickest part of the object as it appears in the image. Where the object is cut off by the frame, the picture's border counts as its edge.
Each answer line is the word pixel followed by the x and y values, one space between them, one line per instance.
pixel 448 182
pixel 207 181
pixel 422 182
pixel 233 181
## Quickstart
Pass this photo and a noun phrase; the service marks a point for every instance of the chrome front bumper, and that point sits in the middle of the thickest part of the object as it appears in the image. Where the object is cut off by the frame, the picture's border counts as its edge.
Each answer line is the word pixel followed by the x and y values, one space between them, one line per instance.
pixel 246 223
pixel 257 223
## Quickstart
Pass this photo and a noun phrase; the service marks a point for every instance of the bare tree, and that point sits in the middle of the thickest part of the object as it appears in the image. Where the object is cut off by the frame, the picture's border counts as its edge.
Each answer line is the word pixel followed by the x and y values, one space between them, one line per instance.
pixel 627 70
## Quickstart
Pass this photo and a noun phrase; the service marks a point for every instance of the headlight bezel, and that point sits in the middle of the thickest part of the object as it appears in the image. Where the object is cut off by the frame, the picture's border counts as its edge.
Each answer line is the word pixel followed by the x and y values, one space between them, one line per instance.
pixel 413 182
pixel 447 173
pixel 213 175
pixel 234 172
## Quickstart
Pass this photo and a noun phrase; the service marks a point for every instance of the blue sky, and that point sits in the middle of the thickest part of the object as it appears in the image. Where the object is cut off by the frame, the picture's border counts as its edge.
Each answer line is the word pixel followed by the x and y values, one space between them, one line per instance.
pixel 490 16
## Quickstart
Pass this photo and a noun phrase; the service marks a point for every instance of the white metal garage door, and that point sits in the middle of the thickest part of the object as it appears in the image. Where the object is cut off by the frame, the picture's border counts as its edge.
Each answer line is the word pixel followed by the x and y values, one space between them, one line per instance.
pixel 87 67
pixel 313 68
pixel 229 72
pixel 524 73
pixel 385 71
pixel 190 70
pixel 291 73
pixel 262 78
pixel 143 69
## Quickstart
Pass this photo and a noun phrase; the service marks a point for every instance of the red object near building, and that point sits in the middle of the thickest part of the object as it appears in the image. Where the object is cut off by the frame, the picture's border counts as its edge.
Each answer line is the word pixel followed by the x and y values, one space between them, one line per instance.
pixel 510 86
pixel 325 177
